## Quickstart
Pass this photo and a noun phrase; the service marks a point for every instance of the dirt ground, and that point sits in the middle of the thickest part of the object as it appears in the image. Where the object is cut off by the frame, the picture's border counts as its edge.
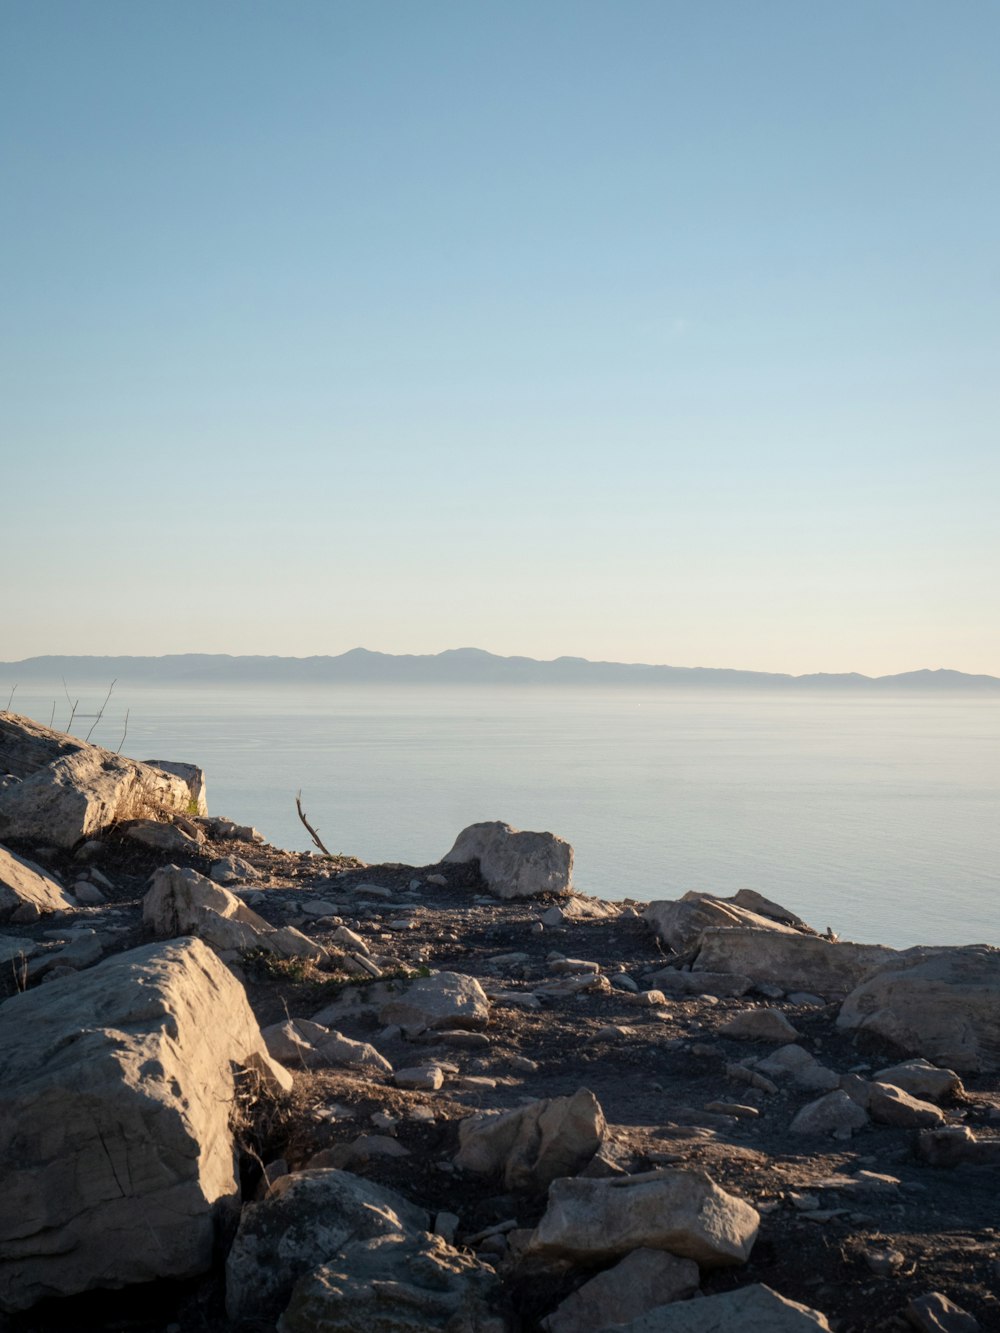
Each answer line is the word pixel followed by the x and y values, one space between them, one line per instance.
pixel 854 1248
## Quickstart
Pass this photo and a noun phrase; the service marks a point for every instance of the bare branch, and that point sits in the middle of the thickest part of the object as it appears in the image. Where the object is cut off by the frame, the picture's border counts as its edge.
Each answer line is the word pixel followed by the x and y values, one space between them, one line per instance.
pixel 124 734
pixel 312 832
pixel 10 700
pixel 100 711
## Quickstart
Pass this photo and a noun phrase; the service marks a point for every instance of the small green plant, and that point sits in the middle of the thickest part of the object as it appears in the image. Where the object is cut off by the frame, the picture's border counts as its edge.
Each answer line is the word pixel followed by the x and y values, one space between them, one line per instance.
pixel 267 966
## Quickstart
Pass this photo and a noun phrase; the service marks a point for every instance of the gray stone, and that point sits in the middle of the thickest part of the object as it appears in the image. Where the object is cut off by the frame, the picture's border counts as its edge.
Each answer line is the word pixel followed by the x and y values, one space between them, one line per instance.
pixel 759 1025
pixel 534 1144
pixel 192 776
pixel 935 1313
pixel 306 1220
pixel 942 1004
pixel 516 864
pixel 23 883
pixel 116 1093
pixel 70 790
pixel 835 1115
pixel 641 1281
pixel 800 1066
pixel 446 1000
pixel 755 1309
pixel 685 1212
pixel 791 960
pixel 679 922
pixel 921 1079
pixel 396 1284
pixel 182 902
pixel 723 984
pixel 889 1105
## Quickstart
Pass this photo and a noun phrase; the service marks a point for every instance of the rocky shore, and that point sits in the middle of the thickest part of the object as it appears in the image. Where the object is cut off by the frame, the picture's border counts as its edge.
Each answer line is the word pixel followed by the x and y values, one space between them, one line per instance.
pixel 248 1089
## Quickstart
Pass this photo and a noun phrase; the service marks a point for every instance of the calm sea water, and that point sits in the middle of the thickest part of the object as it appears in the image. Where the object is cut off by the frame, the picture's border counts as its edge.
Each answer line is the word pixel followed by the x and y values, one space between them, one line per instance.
pixel 878 817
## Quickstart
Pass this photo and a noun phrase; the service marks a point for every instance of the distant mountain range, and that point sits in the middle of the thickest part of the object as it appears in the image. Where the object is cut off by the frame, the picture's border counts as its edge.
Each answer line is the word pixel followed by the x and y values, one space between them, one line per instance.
pixel 457 666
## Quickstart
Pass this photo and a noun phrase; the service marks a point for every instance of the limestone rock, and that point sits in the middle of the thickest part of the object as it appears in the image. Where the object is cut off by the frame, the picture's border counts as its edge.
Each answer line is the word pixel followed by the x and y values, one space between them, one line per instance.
pixel 935 1313
pixel 942 1004
pixel 190 774
pixel 796 1063
pixel 836 1114
pixel 22 882
pixel 685 1212
pixel 301 1044
pixel 396 1284
pixel 679 922
pixel 116 1088
pixel 306 1220
pixel 759 1025
pixel 182 902
pixel 69 790
pixel 791 960
pixel 889 1105
pixel 755 1308
pixel 533 1145
pixel 514 863
pixel 641 1281
pixel 922 1079
pixel 446 1000
pixel 162 837
pixel 233 870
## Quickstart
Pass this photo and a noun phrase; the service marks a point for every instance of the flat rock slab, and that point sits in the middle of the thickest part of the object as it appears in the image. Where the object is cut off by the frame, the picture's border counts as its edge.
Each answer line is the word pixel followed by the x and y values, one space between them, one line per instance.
pixel 447 1000
pixel 637 1284
pixel 755 1309
pixel 942 1004
pixel 116 1090
pixel 685 1212
pixel 791 960
pixel 22 882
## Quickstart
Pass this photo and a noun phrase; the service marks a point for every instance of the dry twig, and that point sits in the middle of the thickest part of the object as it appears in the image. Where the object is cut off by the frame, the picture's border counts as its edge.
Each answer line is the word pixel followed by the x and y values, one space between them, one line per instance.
pixel 312 832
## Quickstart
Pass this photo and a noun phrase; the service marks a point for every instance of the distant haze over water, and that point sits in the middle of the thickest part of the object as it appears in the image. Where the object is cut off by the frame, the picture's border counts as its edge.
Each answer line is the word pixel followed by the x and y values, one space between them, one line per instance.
pixel 873 813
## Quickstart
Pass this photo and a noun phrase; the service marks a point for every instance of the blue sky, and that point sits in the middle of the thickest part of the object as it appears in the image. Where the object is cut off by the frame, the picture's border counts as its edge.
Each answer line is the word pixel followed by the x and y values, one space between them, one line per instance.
pixel 643 331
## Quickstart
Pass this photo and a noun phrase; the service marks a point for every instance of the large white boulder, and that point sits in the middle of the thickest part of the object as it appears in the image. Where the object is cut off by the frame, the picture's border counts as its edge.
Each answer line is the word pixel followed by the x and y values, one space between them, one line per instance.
pixel 306 1220
pixel 182 902
pixel 685 1212
pixel 70 790
pixel 24 883
pixel 515 863
pixel 116 1096
pixel 942 1004
pixel 397 1284
pixel 533 1145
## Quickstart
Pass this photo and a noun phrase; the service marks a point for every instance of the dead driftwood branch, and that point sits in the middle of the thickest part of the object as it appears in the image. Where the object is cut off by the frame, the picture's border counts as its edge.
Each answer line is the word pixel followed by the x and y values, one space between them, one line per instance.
pixel 312 832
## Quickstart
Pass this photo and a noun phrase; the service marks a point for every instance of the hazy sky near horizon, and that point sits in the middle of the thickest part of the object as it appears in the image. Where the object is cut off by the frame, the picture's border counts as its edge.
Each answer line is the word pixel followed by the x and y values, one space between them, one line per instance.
pixel 640 331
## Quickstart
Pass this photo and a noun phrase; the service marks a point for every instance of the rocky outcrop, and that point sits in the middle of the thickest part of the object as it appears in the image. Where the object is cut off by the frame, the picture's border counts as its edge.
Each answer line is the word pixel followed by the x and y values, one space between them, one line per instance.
pixel 685 1212
pixel 942 1004
pixel 532 1146
pixel 307 1219
pixel 397 1284
pixel 190 774
pixel 679 922
pixel 793 961
pixel 446 1000
pixel 116 1092
pixel 69 790
pixel 515 863
pixel 182 902
pixel 24 884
